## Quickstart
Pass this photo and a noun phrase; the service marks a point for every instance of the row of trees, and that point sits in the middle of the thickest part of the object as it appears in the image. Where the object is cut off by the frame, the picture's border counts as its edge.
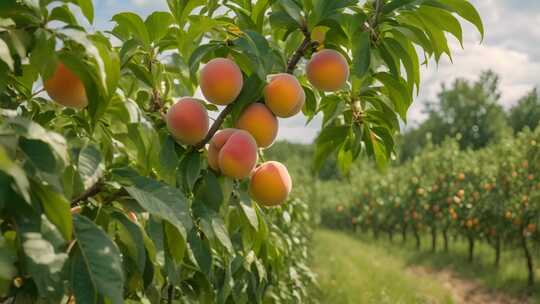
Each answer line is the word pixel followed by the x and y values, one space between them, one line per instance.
pixel 490 195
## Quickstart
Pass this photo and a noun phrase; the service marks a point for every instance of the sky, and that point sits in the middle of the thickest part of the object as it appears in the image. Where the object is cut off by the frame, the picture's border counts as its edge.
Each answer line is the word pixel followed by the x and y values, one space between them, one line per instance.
pixel 511 48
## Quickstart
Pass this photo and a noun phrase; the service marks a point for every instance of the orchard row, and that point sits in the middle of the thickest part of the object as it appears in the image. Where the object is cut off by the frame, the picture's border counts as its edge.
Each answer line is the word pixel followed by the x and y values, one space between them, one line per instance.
pixel 491 195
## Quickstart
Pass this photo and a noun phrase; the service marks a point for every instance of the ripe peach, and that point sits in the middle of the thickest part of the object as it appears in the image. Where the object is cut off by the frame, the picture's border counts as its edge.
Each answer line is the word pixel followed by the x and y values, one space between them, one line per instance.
pixel 328 70
pixel 187 121
pixel 259 121
pixel 66 88
pixel 221 81
pixel 233 152
pixel 284 95
pixel 270 184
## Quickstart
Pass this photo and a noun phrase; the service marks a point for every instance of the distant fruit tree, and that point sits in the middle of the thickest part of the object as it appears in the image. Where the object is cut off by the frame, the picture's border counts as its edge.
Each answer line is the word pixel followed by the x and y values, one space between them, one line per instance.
pixel 116 185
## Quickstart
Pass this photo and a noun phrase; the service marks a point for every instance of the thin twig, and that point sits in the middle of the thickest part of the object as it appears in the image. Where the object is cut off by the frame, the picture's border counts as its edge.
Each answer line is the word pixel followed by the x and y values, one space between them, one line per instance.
pixel 92 191
pixel 215 126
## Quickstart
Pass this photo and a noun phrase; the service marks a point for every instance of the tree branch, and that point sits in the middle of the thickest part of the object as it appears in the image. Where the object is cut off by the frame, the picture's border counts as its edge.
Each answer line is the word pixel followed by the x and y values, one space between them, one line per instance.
pixel 291 65
pixel 92 191
pixel 215 126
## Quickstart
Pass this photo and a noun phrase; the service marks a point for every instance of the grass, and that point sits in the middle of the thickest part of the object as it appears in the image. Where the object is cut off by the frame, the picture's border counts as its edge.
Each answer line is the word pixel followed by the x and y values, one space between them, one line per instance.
pixel 355 271
pixel 510 277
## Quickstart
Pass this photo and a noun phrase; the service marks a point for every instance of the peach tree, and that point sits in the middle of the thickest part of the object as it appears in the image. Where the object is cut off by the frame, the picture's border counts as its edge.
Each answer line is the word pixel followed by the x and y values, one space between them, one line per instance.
pixel 117 185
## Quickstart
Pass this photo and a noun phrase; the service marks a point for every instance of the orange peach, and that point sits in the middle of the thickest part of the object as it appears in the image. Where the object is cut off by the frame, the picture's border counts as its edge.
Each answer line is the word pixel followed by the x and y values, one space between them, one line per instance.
pixel 270 184
pixel 187 121
pixel 328 70
pixel 233 152
pixel 221 81
pixel 284 95
pixel 259 121
pixel 66 88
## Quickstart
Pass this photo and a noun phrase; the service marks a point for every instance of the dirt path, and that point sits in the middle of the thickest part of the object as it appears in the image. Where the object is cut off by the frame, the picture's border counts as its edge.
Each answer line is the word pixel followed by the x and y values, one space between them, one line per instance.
pixel 466 291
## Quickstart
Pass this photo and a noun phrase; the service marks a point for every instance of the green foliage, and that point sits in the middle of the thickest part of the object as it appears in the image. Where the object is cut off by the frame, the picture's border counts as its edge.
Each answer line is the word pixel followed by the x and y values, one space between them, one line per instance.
pixel 468 110
pixel 526 113
pixel 100 205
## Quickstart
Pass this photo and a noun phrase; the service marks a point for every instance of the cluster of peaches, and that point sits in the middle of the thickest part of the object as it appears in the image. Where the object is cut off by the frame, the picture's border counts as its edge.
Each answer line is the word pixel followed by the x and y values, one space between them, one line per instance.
pixel 233 152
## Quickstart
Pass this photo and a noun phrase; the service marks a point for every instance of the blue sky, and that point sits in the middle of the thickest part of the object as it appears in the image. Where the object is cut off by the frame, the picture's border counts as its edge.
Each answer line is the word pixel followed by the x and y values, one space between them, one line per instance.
pixel 511 48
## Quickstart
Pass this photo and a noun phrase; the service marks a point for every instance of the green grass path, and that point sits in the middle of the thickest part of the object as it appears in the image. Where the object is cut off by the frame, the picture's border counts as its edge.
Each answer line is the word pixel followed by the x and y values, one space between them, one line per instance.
pixel 353 271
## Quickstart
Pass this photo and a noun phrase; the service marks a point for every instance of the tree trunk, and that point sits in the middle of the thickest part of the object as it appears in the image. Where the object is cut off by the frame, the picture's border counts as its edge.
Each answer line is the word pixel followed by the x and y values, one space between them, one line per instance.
pixel 445 238
pixel 433 238
pixel 391 235
pixel 417 237
pixel 471 248
pixel 497 251
pixel 375 232
pixel 404 234
pixel 528 257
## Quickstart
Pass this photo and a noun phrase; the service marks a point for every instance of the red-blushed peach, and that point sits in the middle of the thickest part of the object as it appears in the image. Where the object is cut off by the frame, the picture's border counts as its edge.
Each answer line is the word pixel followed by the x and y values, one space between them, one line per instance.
pixel 284 95
pixel 270 184
pixel 216 143
pixel 233 152
pixel 328 70
pixel 66 88
pixel 259 121
pixel 221 81
pixel 187 121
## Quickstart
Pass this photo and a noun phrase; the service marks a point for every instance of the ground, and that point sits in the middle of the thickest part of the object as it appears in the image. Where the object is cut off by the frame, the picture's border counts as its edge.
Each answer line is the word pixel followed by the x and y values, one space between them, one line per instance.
pixel 360 270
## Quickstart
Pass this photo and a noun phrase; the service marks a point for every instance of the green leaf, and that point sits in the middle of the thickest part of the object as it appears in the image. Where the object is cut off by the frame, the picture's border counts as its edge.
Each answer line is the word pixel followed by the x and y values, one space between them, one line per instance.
pixel 101 261
pixel 257 13
pixel 158 24
pixel 44 265
pixel 176 244
pixel 133 239
pixel 467 11
pixel 64 14
pixel 327 142
pixel 12 169
pixel 134 25
pixel 323 9
pixel 191 167
pixel 197 56
pixel 221 233
pixel 168 159
pixel 379 150
pixel 201 251
pixel 396 4
pixel 398 92
pixel 81 280
pixel 87 8
pixel 409 58
pixel 5 54
pixel 163 201
pixel 57 210
pixel 248 210
pixel 361 51
pixel 292 9
pixel 90 165
pixel 444 20
pixel 282 20
pixel 251 91
pixel 310 106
